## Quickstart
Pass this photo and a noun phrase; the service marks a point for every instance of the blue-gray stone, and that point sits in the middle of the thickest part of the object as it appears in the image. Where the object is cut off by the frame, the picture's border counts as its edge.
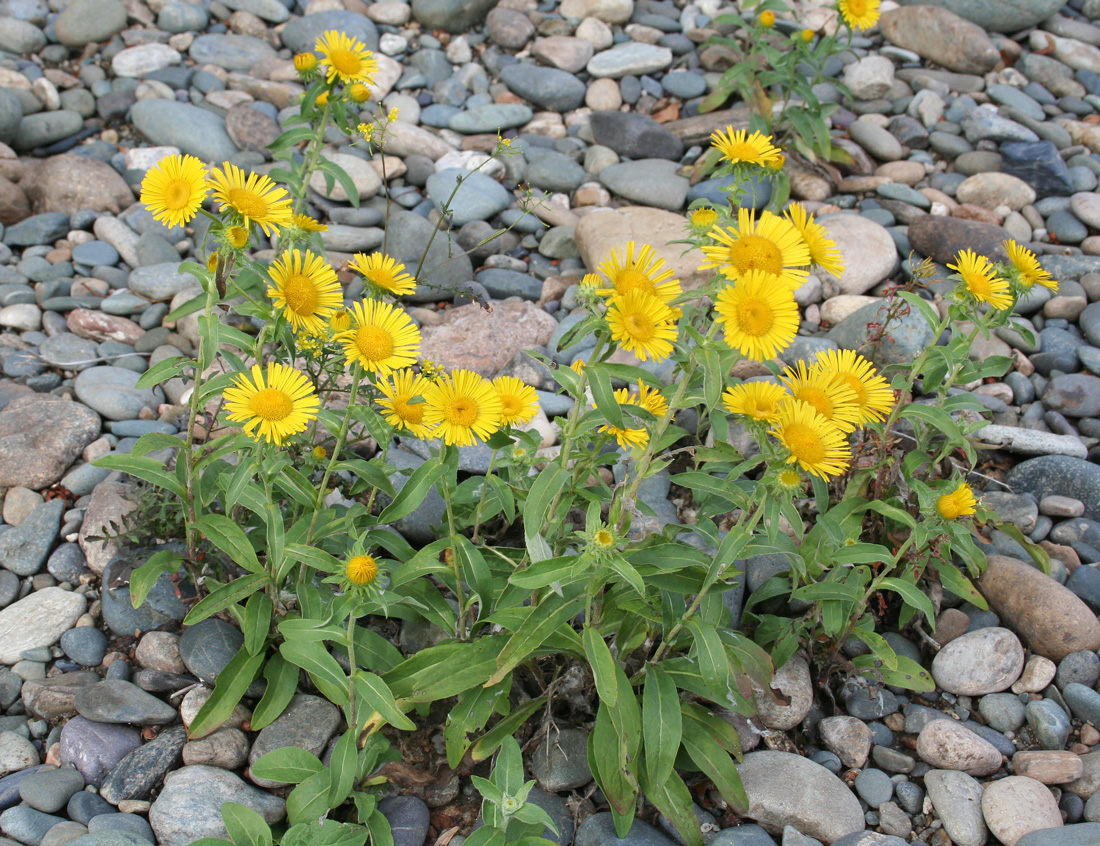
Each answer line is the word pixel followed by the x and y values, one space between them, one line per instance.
pixel 67 563
pixel 49 790
pixel 25 824
pixel 1083 701
pixel 908 335
pixel 746 834
pixel 115 701
pixel 599 830
pixel 85 806
pixel 1082 834
pixel 1080 667
pixel 635 135
pixel 553 171
pixel 408 817
pixel 138 773
pixel 445 268
pixel 108 826
pixel 108 837
pixel 10 784
pixel 874 786
pixel 1049 723
pixel 492 117
pixel 649 182
pixel 1038 163
pixel 86 645
pixel 755 194
pixel 44 128
pixel 23 549
pixel 42 228
pixel 451 15
pixel 1002 711
pixel 113 392
pixel 501 284
pixel 1085 583
pixel 478 198
pixel 94 252
pixel 11 113
pixel 208 646
pixel 232 52
pixel 684 84
pixel 301 34
pixel 1002 16
pixel 182 17
pixel 161 606
pixel 984 125
pixel 549 88
pixel 195 131
pixel 160 281
pixel 1065 226
pixel 1059 474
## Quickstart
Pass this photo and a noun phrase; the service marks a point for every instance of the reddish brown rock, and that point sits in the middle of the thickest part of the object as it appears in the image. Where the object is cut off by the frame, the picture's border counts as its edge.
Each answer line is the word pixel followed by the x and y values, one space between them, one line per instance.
pixel 13 203
pixel 1049 618
pixel 484 341
pixel 98 326
pixel 1048 767
pixel 69 183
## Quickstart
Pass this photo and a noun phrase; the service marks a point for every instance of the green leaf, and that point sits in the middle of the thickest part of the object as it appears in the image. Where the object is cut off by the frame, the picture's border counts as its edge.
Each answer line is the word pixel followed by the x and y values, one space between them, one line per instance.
pixel 673 799
pixel 716 762
pixel 410 497
pixel 909 674
pixel 470 713
pixel 230 686
pixel 258 612
pixel 487 744
pixel 951 577
pixel 141 467
pixel 376 695
pixel 714 666
pixel 342 768
pixel 1037 553
pixel 309 800
pixel 144 577
pixel 291 764
pixel 602 664
pixel 661 724
pixel 282 684
pixel 912 595
pixel 322 668
pixel 226 595
pixel 616 780
pixel 245 826
pixel 548 485
pixel 430 674
pixel 602 393
pixel 230 539
pixel 333 170
pixel 541 622
pixel 153 441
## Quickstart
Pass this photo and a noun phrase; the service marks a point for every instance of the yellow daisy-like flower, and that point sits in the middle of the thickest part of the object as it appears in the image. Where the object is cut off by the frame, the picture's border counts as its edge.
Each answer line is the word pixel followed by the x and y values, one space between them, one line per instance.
pixel 767 19
pixel 382 338
pixel 823 249
pixel 359 92
pixel 304 62
pixel 758 400
pixel 959 503
pixel 339 321
pixel 345 58
pixel 308 224
pixel 399 408
pixel 305 287
pixel 462 406
pixel 815 444
pixel 831 398
pixel 320 453
pixel 642 324
pixel 1030 271
pixel 807 35
pixel 859 14
pixel 384 272
pixel 981 279
pixel 577 366
pixel 648 273
pixel 236 236
pixel 272 407
pixel 321 99
pixel 874 397
pixel 788 479
pixel 758 315
pixel 741 147
pixel 518 402
pixel 703 219
pixel 646 397
pixel 361 570
pixel 771 244
pixel 174 188
pixel 254 197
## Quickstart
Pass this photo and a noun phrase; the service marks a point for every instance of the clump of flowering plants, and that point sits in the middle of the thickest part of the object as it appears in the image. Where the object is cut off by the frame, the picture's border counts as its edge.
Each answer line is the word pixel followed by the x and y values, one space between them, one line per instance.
pixel 544 570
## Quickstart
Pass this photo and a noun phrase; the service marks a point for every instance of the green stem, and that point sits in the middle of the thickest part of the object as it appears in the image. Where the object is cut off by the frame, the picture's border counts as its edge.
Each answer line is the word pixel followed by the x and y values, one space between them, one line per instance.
pixel 351 662
pixel 484 490
pixel 460 594
pixel 312 155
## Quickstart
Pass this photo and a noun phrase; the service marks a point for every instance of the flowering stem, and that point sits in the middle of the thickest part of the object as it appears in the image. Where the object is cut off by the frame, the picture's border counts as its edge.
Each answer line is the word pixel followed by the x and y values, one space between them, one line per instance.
pixel 353 668
pixel 312 154
pixel 460 594
pixel 481 499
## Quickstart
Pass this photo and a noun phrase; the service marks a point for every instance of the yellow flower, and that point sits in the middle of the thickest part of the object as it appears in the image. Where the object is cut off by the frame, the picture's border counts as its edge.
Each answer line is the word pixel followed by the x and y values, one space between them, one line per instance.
pixel 959 503
pixel 1028 267
pixel 815 444
pixel 518 402
pixel 788 479
pixel 345 58
pixel 462 406
pixel 382 338
pixel 359 92
pixel 306 288
pixel 339 321
pixel 577 366
pixel 430 370
pixel 391 116
pixel 255 198
pixel 304 62
pixel 320 453
pixel 646 397
pixel 642 324
pixel 174 188
pixel 384 272
pixel 361 570
pixel 767 19
pixel 874 398
pixel 272 408
pixel 307 223
pixel 831 398
pixel 648 272
pixel 367 129
pixel 400 390
pixel 704 218
pixel 321 99
pixel 859 14
pixel 981 280
pixel 758 400
pixel 739 147
pixel 823 249
pixel 236 236
pixel 758 315
pixel 770 244
pixel 212 262
pixel 807 35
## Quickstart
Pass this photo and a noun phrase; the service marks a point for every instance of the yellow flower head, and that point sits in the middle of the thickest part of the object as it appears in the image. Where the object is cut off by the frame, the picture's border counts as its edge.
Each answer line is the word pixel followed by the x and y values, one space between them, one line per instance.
pixel 959 503
pixel 174 188
pixel 274 406
pixel 832 398
pixel 339 321
pixel 256 199
pixel 320 453
pixel 758 315
pixel 646 397
pixel 304 62
pixel 361 570
pixel 367 130
pixel 430 370
pixel 874 397
pixel 321 99
pixel 382 338
pixel 648 272
pixel 384 272
pixel 642 324
pixel 1028 269
pixel 308 224
pixel 345 58
pixel 518 402
pixel 815 444
pixel 859 14
pixel 358 92
pixel 823 249
pixel 403 406
pixel 741 147
pixel 788 479
pixel 305 287
pixel 391 116
pixel 212 262
pixel 577 366
pixel 767 19
pixel 807 35
pixel 771 244
pixel 236 236
pixel 704 218
pixel 462 406
pixel 981 280
pixel 758 400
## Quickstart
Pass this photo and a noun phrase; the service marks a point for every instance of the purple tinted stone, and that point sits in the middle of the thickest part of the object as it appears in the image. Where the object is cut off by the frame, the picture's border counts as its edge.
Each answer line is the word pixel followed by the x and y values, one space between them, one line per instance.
pixel 96 748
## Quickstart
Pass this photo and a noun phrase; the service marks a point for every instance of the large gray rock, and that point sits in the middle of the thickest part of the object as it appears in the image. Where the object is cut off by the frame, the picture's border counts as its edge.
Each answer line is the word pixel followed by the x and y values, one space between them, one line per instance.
pixel 451 15
pixel 301 34
pixel 86 21
pixel 957 798
pixel 1001 16
pixel 195 131
pixel 307 723
pixel 190 805
pixel 942 36
pixel 905 337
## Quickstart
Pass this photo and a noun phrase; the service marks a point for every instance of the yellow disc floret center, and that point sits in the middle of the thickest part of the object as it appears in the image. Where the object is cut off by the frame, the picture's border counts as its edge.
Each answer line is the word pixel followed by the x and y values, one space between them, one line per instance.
pixel 510 406
pixel 177 194
pixel 804 443
pixel 752 252
pixel 857 386
pixel 374 343
pixel 247 202
pixel 755 316
pixel 271 404
pixel 345 61
pixel 409 412
pixel 461 411
pixel 639 327
pixel 633 280
pixel 362 569
pixel 857 8
pixel 818 399
pixel 300 294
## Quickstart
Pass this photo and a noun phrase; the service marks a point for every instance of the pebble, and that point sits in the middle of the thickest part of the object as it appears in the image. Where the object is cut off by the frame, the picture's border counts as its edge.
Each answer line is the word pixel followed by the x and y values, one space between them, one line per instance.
pixel 560 761
pixel 981 662
pixel 947 745
pixel 1017 805
pixel 189 805
pixel 307 723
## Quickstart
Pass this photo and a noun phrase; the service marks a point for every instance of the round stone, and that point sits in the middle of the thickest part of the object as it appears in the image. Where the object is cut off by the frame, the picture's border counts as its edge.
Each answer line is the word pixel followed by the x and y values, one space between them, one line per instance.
pixel 980 662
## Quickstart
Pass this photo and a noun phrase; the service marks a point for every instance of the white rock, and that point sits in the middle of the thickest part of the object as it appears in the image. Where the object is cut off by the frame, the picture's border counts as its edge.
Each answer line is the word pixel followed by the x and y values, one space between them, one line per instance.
pixel 835 309
pixel 870 78
pixel 23 317
pixel 144 59
pixel 984 661
pixel 595 32
pixel 38 620
pixel 1076 54
pixel 948 745
pixel 612 11
pixel 143 158
pixel 367 182
pixel 868 250
pixel 1016 805
pixel 793 681
pixel 16 753
pixel 120 236
pixel 1032 441
pixel 632 58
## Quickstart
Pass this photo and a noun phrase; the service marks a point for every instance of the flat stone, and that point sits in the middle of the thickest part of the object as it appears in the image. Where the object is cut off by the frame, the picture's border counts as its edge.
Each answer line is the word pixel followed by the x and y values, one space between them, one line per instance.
pixel 207 647
pixel 189 805
pixel 38 620
pixel 135 776
pixel 1017 805
pixel 599 830
pixel 957 799
pixel 193 130
pixel 118 701
pixel 307 723
pixel 942 36
pixel 651 182
pixel 635 135
pixel 631 58
pixel 980 662
pixel 560 761
pixel 866 247
pixel 86 21
pixel 945 744
pixel 1048 767
pixel 96 748
pixel 24 549
pixel 49 790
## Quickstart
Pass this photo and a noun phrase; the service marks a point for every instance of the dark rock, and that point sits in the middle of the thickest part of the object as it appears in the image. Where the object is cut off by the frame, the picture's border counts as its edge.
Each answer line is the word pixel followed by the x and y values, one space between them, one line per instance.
pixel 942 238
pixel 135 776
pixel 635 136
pixel 408 818
pixel 207 647
pixel 117 701
pixel 548 88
